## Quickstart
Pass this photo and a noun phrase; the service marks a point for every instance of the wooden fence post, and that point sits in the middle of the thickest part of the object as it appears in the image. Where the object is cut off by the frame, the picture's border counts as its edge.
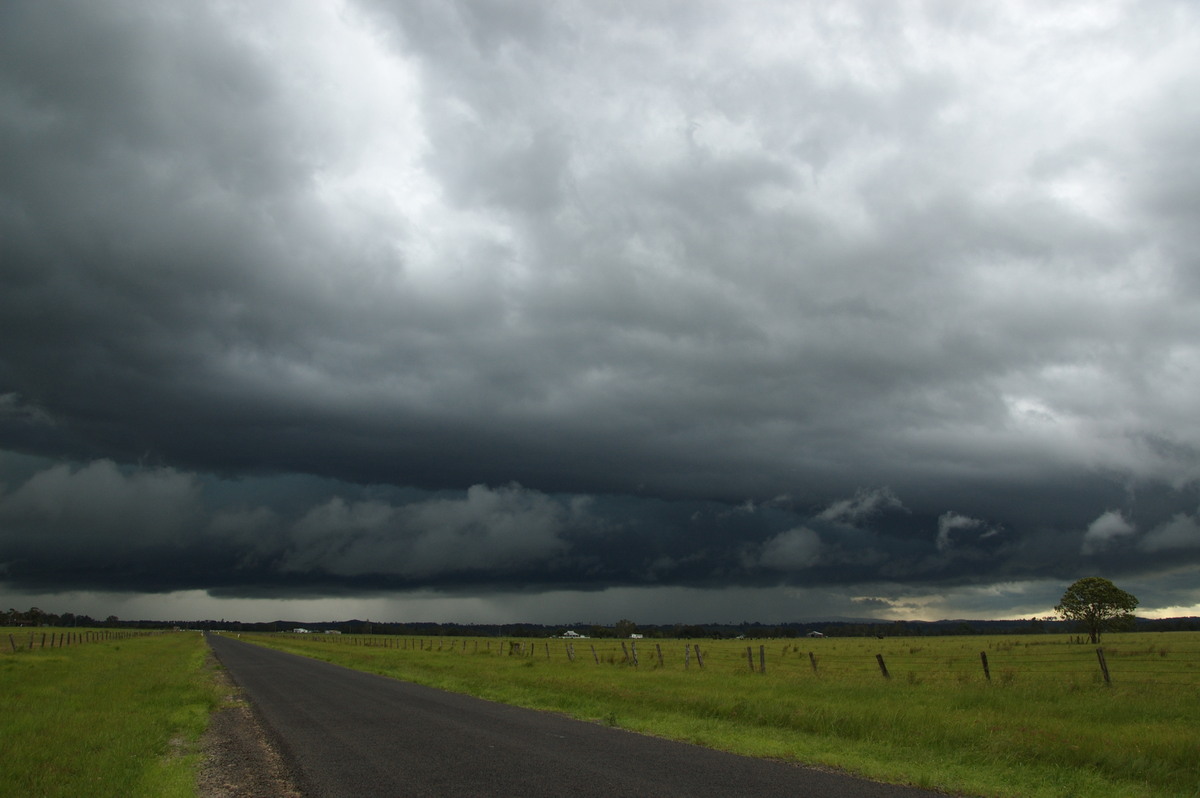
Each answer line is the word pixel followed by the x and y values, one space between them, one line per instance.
pixel 687 656
pixel 699 658
pixel 12 643
pixel 595 656
pixel 762 659
pixel 1103 666
pixel 625 650
pixel 812 658
pixel 987 674
pixel 633 645
pixel 750 658
pixel 660 657
pixel 882 667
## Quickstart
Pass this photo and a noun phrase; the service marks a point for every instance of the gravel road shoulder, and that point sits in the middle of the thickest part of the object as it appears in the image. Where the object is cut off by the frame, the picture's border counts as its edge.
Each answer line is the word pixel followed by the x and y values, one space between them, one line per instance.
pixel 239 758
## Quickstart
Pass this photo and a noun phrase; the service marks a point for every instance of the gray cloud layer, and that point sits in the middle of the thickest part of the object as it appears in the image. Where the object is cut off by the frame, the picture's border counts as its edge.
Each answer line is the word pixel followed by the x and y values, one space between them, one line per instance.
pixel 482 295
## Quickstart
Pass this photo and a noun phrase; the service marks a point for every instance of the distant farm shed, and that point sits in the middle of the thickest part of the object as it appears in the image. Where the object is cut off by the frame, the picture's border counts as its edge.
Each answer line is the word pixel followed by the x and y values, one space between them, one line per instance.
pixel 815 634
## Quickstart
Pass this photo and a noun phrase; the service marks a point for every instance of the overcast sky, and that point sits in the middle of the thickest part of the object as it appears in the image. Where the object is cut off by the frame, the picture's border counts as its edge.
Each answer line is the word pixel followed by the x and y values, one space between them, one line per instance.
pixel 524 311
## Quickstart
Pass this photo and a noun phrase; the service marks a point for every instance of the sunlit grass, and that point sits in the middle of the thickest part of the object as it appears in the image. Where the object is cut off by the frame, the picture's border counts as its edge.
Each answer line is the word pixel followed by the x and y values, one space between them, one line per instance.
pixel 1045 724
pixel 114 718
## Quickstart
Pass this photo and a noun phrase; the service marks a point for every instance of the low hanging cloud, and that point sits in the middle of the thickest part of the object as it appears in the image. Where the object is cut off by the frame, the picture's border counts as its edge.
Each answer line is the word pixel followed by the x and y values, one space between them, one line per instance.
pixel 792 550
pixel 14 409
pixel 865 504
pixel 487 530
pixel 99 509
pixel 1106 531
pixel 103 526
pixel 951 522
pixel 1181 532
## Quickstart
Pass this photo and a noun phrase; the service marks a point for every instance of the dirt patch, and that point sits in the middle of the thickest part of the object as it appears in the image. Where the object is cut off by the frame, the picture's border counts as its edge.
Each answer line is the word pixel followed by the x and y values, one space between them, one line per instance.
pixel 240 760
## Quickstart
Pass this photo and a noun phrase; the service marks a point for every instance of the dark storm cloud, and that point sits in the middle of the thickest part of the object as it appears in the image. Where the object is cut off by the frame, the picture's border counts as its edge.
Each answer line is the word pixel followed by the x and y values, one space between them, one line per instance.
pixel 494 294
pixel 103 527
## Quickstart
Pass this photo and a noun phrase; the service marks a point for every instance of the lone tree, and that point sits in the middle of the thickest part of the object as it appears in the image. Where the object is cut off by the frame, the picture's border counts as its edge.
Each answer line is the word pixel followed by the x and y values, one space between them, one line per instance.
pixel 1098 605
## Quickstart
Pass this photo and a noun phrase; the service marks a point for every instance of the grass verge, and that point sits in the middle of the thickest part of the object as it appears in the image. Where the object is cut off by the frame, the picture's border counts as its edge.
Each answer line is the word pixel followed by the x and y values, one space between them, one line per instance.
pixel 116 718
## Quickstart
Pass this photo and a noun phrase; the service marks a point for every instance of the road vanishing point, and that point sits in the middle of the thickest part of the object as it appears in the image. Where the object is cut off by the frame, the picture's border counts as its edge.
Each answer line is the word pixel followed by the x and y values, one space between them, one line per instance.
pixel 349 734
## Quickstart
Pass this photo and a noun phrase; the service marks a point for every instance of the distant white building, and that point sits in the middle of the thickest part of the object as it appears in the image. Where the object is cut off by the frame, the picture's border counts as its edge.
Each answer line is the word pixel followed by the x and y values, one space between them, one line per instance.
pixel 815 634
pixel 301 631
pixel 571 634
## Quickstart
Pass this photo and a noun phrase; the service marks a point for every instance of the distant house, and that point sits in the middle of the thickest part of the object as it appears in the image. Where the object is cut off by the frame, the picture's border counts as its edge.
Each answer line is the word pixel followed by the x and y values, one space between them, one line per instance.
pixel 635 636
pixel 571 634
pixel 815 634
pixel 301 631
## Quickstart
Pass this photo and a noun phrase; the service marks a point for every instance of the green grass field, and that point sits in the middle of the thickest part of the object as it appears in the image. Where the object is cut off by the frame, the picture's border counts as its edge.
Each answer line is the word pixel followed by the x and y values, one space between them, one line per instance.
pixel 121 717
pixel 1045 724
pixel 118 717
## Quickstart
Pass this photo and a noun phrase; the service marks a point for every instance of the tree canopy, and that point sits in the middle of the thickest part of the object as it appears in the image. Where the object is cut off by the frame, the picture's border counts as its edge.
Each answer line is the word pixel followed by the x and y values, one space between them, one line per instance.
pixel 1097 605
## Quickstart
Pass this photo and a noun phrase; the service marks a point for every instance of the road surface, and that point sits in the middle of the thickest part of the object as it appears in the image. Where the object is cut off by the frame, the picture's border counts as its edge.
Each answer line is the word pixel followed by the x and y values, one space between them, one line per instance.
pixel 353 734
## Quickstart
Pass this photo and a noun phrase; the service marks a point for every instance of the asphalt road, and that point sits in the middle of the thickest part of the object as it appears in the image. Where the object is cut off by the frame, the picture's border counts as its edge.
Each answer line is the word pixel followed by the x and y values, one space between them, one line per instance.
pixel 353 734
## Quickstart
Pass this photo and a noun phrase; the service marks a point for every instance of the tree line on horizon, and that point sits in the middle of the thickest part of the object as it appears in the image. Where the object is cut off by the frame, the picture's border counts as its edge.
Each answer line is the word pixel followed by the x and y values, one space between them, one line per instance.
pixel 621 629
pixel 35 616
